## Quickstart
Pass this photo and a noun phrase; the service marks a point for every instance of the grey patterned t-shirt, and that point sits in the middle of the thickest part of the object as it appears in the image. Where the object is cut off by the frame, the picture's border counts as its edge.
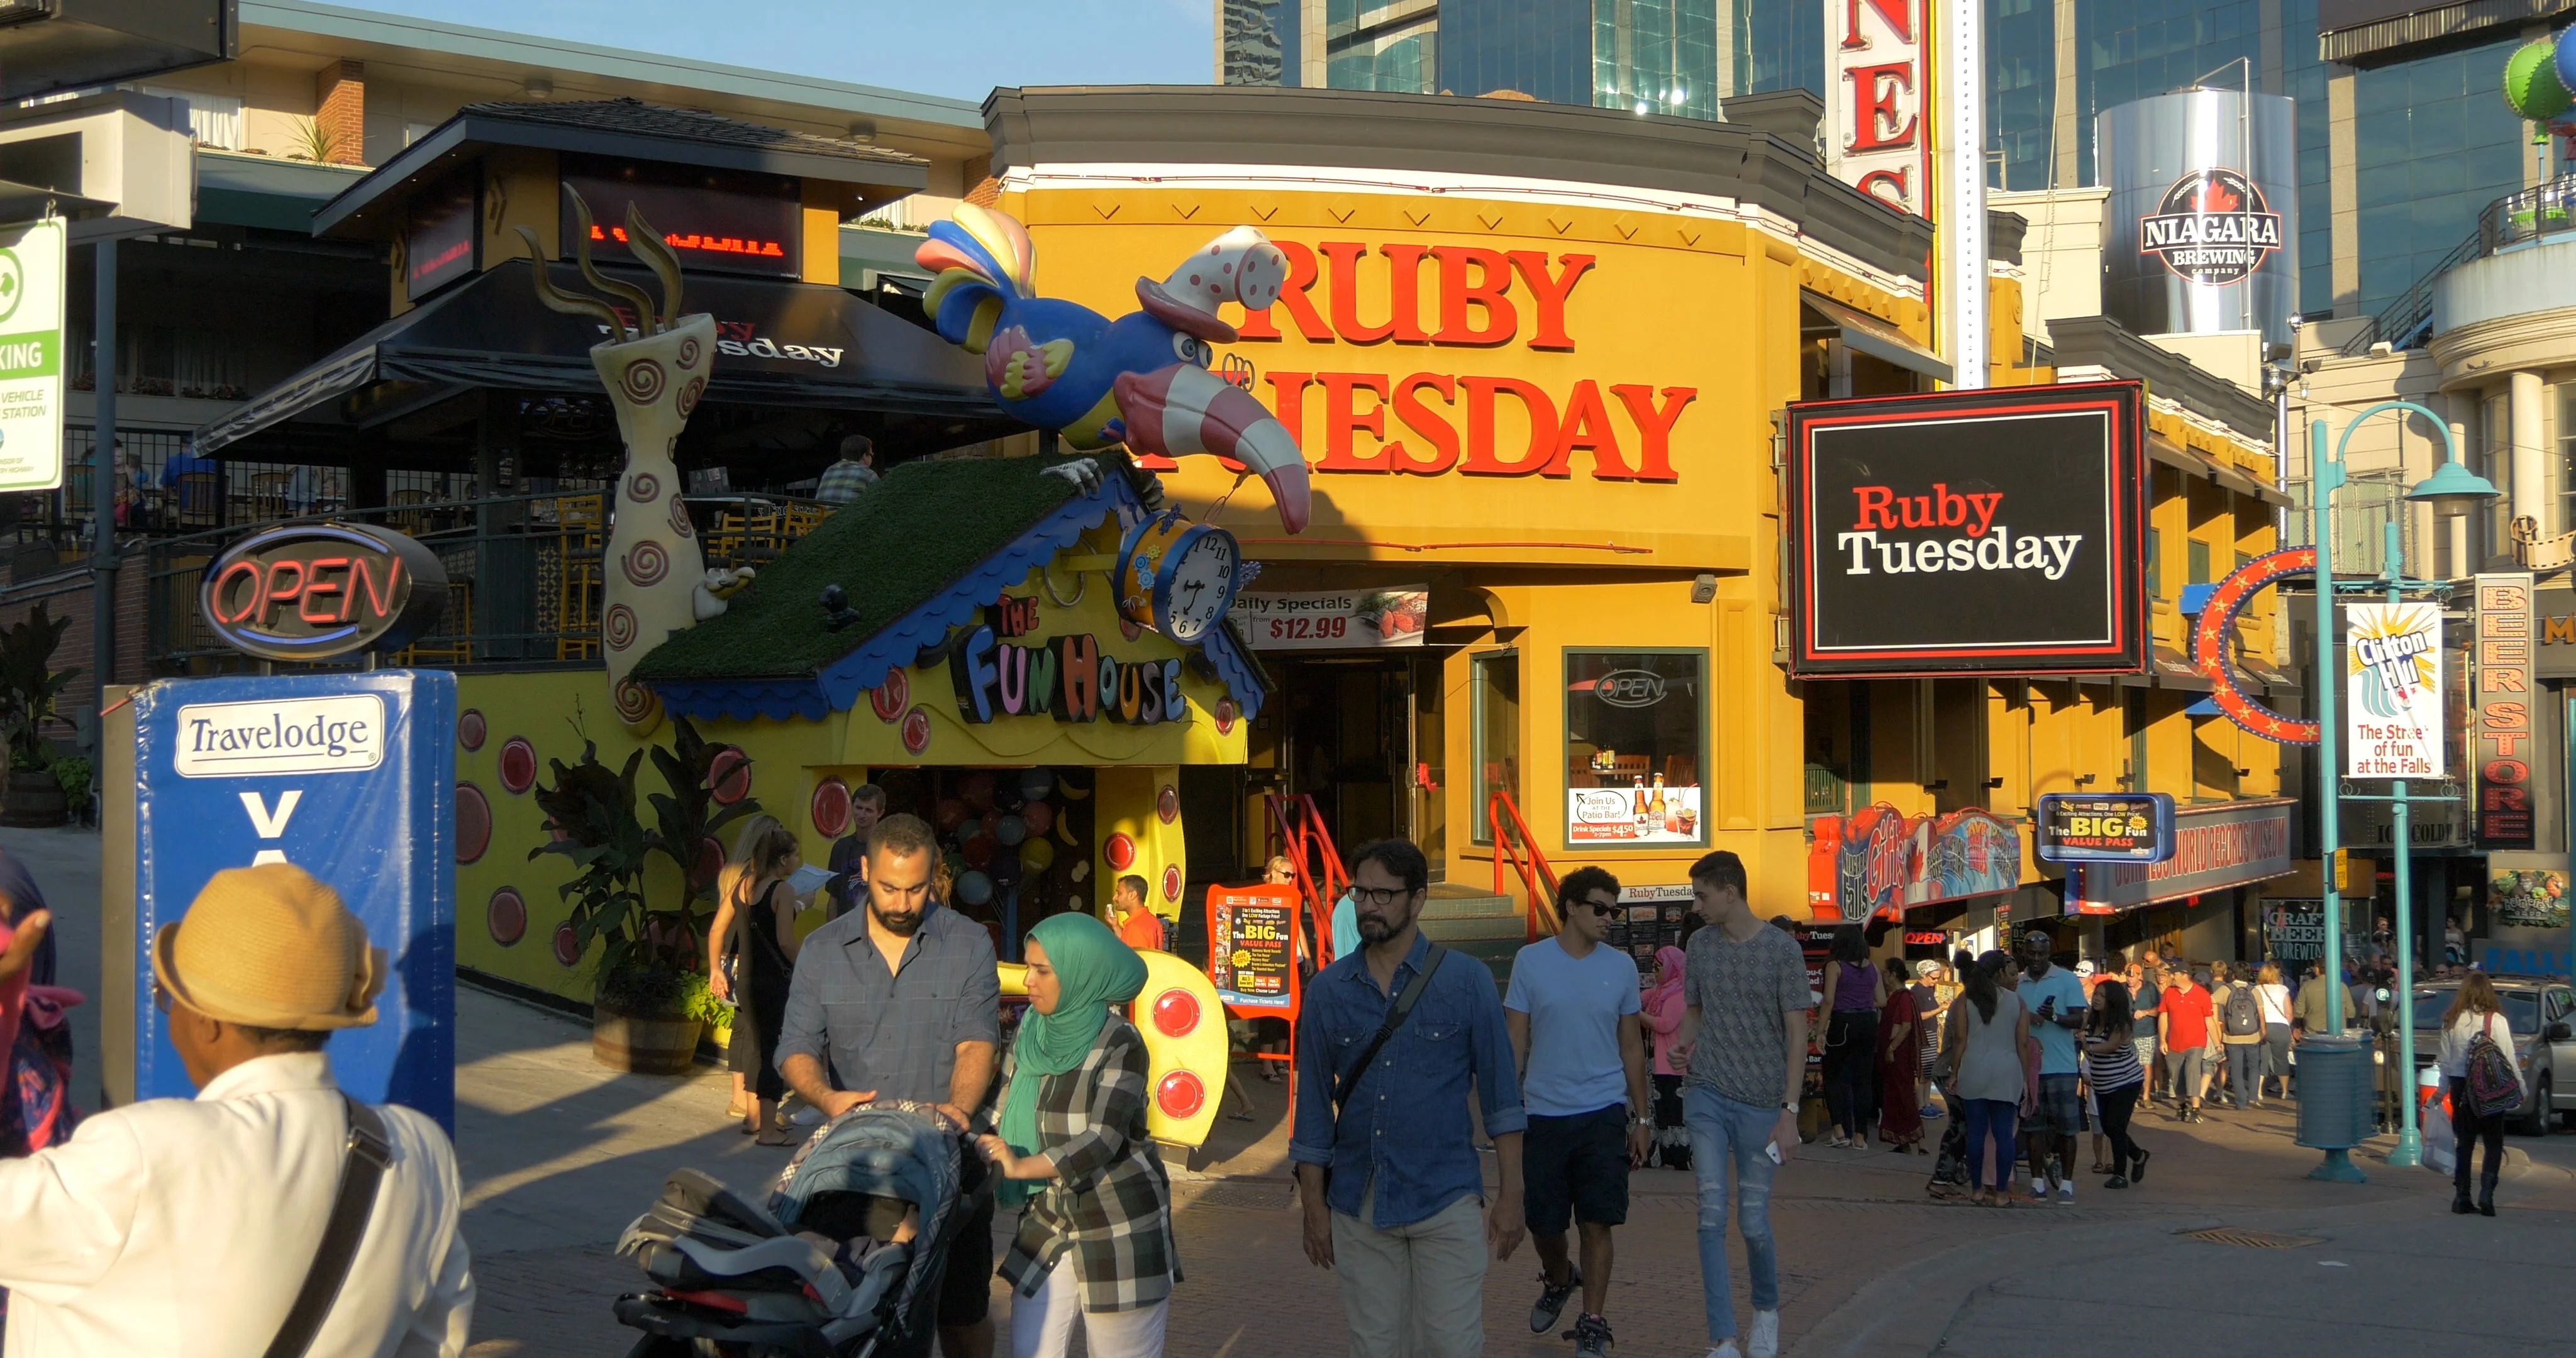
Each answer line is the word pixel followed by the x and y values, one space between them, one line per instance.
pixel 1747 995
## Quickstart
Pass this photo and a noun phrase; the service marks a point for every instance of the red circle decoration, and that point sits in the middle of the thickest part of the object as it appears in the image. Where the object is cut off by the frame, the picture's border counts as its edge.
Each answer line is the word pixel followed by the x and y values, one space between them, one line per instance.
pixel 643 381
pixel 729 776
pixel 1226 713
pixel 618 626
pixel 1180 1095
pixel 473 823
pixel 2218 624
pixel 689 351
pixel 830 808
pixel 1167 804
pixel 1120 851
pixel 891 696
pixel 506 917
pixel 710 864
pixel 690 391
pixel 518 765
pixel 646 563
pixel 567 947
pixel 1176 1013
pixel 916 731
pixel 470 729
pixel 643 488
pixel 635 703
pixel 1172 882
pixel 680 518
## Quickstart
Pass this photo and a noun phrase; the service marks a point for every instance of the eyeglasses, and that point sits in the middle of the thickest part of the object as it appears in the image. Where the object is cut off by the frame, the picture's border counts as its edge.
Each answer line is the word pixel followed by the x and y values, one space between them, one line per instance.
pixel 1379 896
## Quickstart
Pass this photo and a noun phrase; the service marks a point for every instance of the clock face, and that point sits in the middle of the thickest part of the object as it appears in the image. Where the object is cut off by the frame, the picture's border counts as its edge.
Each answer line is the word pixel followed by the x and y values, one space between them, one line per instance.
pixel 1202 587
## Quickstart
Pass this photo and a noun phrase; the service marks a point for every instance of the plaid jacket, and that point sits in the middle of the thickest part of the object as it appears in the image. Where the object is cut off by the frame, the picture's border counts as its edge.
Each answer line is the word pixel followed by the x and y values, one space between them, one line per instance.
pixel 841 482
pixel 1109 1202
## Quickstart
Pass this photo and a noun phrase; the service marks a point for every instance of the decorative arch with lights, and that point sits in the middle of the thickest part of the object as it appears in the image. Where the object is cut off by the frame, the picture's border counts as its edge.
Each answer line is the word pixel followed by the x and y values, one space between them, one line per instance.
pixel 2218 621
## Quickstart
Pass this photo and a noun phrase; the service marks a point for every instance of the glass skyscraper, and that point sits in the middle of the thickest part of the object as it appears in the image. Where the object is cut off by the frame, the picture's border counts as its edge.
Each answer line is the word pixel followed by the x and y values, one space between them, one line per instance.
pixel 1652 56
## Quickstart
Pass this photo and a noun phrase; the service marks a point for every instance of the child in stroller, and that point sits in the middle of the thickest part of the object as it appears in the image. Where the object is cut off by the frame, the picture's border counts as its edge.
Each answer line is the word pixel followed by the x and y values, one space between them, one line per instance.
pixel 842 1261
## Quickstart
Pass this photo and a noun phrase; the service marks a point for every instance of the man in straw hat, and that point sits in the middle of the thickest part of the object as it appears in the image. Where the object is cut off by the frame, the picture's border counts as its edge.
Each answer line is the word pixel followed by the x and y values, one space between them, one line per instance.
pixel 190 1225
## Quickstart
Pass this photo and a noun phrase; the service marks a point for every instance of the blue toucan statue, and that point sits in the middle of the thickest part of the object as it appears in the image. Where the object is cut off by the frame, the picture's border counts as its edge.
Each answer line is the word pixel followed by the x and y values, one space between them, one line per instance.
pixel 1142 379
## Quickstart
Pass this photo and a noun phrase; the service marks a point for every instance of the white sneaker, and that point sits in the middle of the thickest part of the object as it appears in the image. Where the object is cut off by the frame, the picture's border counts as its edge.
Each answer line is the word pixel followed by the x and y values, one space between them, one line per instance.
pixel 1765 1342
pixel 1726 1350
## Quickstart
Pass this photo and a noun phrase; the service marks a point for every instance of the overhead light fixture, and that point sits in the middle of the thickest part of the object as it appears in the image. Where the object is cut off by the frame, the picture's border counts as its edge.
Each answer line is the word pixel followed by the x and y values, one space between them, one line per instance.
pixel 537 87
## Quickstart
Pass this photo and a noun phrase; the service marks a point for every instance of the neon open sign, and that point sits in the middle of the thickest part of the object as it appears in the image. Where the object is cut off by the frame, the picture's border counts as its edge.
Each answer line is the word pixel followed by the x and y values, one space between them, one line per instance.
pixel 311 591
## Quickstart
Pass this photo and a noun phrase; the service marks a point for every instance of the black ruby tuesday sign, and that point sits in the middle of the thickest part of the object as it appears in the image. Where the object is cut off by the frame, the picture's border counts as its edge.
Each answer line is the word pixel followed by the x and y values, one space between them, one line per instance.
pixel 1995 532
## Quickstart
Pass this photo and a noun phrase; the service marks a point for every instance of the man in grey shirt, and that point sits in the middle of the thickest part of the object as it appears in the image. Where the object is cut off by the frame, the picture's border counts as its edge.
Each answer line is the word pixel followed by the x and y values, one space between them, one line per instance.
pixel 1744 1038
pixel 904 999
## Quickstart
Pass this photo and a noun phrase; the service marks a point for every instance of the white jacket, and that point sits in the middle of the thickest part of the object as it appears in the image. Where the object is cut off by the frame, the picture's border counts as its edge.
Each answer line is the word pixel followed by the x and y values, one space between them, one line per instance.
pixel 184 1227
pixel 2455 1042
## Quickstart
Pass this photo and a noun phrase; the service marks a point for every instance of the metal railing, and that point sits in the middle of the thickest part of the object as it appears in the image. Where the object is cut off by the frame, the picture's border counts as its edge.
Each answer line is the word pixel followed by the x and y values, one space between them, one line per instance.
pixel 2516 219
pixel 524 575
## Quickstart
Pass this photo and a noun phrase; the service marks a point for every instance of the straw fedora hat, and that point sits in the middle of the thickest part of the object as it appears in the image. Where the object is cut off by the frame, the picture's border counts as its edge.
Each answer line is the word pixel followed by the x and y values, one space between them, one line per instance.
pixel 270 947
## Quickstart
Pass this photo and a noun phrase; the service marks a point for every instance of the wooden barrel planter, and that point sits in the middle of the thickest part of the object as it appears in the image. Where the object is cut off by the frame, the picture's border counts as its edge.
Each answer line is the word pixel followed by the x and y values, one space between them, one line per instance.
pixel 34 798
pixel 642 1046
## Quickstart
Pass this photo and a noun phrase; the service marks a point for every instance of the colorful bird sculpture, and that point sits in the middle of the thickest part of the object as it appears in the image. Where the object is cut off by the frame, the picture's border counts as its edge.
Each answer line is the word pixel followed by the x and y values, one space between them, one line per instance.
pixel 1141 380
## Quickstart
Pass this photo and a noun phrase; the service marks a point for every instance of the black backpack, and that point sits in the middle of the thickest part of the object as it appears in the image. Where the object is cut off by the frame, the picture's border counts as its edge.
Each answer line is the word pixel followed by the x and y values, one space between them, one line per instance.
pixel 2244 1015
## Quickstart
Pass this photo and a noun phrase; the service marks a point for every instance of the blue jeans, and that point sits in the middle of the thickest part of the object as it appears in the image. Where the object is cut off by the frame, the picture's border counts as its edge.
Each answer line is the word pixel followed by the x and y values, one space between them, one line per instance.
pixel 1722 1130
pixel 2244 1067
pixel 1998 1118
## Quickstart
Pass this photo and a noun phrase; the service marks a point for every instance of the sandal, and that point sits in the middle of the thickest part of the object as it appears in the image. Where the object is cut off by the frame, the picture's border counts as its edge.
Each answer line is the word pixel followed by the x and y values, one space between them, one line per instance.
pixel 785 1138
pixel 1238 1117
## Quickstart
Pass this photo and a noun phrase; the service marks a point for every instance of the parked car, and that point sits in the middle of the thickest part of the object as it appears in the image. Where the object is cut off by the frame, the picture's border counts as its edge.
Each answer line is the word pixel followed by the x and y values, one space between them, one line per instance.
pixel 2542 1014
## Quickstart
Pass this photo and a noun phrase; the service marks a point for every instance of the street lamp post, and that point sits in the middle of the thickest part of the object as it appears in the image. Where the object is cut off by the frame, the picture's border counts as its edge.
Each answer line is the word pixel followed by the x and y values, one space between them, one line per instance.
pixel 2452 490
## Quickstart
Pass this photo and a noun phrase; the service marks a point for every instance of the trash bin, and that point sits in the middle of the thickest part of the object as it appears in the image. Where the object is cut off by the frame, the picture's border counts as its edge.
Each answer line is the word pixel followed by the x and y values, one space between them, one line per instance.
pixel 2335 1076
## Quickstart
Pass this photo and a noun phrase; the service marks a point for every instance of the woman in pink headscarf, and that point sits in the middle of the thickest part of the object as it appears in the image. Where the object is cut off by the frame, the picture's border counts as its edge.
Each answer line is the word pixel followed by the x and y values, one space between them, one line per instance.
pixel 1662 1007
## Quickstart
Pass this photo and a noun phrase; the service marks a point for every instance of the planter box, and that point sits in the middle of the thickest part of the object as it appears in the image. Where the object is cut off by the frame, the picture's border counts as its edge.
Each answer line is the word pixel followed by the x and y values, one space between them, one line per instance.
pixel 34 799
pixel 643 1046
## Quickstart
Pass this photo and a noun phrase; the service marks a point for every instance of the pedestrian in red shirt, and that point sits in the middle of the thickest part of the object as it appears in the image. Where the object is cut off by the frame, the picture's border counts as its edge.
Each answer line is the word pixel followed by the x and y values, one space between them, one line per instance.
pixel 2189 1027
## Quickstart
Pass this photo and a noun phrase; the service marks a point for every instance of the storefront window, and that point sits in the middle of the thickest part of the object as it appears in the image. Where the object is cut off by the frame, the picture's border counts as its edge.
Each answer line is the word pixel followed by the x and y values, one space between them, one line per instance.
pixel 1635 745
pixel 1498 735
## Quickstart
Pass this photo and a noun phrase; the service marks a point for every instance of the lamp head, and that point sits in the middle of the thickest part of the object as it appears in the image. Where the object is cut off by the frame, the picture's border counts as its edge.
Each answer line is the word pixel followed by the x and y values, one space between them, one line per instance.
pixel 2453 490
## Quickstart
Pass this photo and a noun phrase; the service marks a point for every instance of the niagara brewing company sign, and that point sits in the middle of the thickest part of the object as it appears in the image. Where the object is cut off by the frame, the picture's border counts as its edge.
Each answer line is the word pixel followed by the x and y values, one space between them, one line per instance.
pixel 2212 227
pixel 1990 532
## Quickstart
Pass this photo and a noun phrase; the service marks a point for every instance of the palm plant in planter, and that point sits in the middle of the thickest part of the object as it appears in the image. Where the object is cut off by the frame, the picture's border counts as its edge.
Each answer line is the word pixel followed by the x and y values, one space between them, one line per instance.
pixel 28 690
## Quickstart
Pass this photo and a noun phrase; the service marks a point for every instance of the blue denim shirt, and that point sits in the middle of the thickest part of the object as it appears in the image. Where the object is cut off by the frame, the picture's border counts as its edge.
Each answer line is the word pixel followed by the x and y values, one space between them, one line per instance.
pixel 1406 1123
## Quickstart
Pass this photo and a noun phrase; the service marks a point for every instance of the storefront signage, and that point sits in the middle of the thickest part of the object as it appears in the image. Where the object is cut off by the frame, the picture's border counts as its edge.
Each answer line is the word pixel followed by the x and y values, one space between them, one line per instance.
pixel 1877 90
pixel 2212 227
pixel 311 591
pixel 1434 421
pixel 2527 898
pixel 2500 736
pixel 1632 815
pixel 1992 532
pixel 2394 727
pixel 1252 956
pixel 2294 930
pixel 1650 918
pixel 712 219
pixel 2115 827
pixel 2225 844
pixel 1883 861
pixel 439 237
pixel 1336 619
pixel 31 356
pixel 1066 677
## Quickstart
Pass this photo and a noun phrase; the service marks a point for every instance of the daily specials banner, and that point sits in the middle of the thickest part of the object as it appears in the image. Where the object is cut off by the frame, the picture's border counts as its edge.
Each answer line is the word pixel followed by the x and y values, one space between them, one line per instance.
pixel 1996 532
pixel 2394 724
pixel 1336 619
pixel 2500 737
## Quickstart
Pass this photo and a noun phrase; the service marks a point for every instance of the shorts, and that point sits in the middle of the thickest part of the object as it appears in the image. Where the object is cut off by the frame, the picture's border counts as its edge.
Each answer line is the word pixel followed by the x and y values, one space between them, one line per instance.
pixel 1575 1168
pixel 2185 1066
pixel 2061 1108
pixel 966 1288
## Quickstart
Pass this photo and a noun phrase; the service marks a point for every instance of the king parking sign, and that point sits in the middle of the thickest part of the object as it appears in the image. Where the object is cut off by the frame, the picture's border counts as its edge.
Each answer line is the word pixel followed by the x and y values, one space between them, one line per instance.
pixel 31 355
pixel 351 777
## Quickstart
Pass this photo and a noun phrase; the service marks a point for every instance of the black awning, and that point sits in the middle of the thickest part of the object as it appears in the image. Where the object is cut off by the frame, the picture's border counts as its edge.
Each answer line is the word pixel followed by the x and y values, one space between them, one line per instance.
pixel 781 344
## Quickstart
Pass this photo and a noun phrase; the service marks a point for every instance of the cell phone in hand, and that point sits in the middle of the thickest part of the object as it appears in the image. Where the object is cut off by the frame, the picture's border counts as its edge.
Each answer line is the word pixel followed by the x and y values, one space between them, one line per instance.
pixel 1772 1149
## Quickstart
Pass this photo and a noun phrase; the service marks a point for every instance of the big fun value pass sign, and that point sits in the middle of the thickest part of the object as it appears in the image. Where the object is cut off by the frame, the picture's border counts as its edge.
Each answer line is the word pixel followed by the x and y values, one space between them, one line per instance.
pixel 2394 687
pixel 1995 531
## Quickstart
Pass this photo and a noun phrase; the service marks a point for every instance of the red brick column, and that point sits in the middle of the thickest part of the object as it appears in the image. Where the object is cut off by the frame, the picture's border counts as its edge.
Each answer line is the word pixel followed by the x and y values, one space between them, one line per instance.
pixel 340 109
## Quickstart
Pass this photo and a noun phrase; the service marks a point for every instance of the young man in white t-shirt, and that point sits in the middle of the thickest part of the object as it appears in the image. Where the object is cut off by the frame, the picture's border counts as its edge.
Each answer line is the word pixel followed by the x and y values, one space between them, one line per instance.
pixel 1573 1011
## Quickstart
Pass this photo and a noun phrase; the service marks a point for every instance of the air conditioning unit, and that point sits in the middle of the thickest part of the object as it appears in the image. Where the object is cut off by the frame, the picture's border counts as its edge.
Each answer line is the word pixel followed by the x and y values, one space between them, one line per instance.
pixel 115 163
pixel 49 46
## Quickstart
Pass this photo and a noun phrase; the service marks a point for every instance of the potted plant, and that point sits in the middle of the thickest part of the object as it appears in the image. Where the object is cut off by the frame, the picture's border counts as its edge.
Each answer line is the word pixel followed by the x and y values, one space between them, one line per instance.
pixel 28 690
pixel 73 775
pixel 650 1001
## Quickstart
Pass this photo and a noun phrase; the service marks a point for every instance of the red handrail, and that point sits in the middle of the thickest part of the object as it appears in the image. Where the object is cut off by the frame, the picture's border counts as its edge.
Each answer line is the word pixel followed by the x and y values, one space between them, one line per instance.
pixel 1304 839
pixel 1532 871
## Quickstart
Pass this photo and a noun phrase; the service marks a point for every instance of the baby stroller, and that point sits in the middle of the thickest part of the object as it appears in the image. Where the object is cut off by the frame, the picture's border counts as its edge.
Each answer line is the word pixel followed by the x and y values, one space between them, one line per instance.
pixel 842 1260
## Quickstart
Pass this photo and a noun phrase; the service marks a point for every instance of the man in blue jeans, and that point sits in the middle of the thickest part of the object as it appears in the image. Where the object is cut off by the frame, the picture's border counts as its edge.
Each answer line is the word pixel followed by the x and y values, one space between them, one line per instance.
pixel 1744 1040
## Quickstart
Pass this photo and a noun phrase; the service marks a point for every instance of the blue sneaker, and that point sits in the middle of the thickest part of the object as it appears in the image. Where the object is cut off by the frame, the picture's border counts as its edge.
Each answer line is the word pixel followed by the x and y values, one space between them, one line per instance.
pixel 1551 1299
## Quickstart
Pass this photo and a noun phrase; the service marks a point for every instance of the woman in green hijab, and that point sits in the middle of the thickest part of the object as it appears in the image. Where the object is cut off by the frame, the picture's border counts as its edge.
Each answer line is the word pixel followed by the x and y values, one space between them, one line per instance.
pixel 1095 1236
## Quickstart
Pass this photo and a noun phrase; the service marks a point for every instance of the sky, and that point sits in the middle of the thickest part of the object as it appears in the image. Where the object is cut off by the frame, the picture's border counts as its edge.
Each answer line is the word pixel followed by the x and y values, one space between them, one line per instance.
pixel 958 48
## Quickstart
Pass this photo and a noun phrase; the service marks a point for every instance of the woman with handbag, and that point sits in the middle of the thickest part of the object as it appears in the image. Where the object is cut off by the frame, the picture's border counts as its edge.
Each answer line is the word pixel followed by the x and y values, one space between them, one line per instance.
pixel 2474 1034
pixel 1095 1237
pixel 756 911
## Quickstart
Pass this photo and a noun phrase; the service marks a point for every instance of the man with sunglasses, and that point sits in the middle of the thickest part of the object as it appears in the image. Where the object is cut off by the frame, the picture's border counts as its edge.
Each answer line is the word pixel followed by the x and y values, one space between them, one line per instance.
pixel 1573 1013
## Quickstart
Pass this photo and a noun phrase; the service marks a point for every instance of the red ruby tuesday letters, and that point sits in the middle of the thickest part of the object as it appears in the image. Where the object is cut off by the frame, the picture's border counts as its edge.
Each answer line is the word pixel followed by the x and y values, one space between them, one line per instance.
pixel 1986 545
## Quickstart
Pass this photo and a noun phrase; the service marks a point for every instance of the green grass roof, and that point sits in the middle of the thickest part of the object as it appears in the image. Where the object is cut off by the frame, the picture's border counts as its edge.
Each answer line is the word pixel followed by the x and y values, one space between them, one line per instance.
pixel 905 540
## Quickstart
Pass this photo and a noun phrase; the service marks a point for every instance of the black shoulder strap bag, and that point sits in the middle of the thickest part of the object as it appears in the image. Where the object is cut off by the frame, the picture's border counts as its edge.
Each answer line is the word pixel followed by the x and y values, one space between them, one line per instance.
pixel 1345 1082
pixel 361 1173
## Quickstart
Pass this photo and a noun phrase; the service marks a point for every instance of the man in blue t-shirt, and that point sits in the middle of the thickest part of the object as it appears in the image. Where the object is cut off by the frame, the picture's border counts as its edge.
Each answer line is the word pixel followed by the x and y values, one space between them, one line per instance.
pixel 2054 999
pixel 1573 1012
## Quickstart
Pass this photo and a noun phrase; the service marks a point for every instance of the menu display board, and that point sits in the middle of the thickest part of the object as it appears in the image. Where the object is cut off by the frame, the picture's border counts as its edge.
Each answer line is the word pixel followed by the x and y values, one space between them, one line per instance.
pixel 1650 918
pixel 1252 954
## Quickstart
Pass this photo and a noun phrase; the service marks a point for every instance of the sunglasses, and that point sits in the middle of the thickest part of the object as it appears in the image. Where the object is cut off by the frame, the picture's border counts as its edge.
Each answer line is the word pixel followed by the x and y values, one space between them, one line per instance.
pixel 161 997
pixel 1600 908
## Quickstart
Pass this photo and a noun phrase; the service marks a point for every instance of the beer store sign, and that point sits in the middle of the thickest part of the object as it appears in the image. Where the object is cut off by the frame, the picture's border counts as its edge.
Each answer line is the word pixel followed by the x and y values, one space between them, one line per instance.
pixel 2501 734
pixel 2131 827
pixel 2212 227
pixel 312 591
pixel 1993 531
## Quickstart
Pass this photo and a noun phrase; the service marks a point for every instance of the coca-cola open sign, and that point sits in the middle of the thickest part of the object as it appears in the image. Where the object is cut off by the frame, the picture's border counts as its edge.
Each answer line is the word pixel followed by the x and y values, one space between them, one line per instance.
pixel 1993 532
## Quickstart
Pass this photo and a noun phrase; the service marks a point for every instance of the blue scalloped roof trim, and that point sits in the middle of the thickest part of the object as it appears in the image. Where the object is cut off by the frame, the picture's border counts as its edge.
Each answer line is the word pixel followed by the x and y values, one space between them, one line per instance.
pixel 843 681
pixel 744 699
pixel 1241 679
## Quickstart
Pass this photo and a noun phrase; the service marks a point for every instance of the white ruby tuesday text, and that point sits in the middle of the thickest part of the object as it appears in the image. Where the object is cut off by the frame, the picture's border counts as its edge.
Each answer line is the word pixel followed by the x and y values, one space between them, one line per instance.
pixel 1986 546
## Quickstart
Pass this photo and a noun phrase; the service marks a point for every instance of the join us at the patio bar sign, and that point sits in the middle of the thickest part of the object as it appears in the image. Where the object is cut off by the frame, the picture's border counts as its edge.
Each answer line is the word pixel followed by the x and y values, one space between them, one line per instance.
pixel 2394 690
